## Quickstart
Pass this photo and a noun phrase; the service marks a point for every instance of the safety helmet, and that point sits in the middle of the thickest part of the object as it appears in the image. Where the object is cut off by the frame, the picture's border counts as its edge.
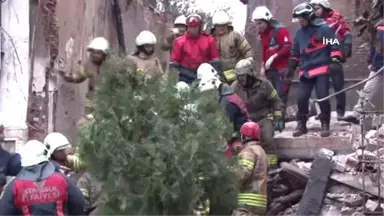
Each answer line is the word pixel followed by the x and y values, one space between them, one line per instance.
pixel 262 13
pixel 204 69
pixel 221 18
pixel 145 37
pixel 182 86
pixel 180 20
pixel 32 153
pixel 99 44
pixel 194 20
pixel 250 131
pixel 303 10
pixel 324 3
pixel 243 67
pixel 56 141
pixel 208 82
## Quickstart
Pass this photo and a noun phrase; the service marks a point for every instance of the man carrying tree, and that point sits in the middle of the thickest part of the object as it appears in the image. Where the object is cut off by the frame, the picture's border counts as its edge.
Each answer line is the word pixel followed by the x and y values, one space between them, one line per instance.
pixel 252 198
pixel 232 45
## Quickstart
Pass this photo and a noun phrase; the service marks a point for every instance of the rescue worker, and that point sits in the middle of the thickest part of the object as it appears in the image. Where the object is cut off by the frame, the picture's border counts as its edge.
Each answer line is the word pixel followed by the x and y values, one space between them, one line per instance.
pixel 336 21
pixel 316 59
pixel 58 145
pixel 144 56
pixel 276 46
pixel 98 51
pixel 39 189
pixel 262 101
pixel 179 28
pixel 375 62
pixel 252 198
pixel 232 45
pixel 192 49
pixel 10 164
pixel 92 192
pixel 234 106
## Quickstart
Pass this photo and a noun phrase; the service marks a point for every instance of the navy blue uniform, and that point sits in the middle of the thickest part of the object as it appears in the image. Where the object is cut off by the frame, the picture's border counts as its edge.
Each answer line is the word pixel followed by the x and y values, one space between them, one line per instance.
pixel 10 165
pixel 376 59
pixel 234 106
pixel 41 190
pixel 316 60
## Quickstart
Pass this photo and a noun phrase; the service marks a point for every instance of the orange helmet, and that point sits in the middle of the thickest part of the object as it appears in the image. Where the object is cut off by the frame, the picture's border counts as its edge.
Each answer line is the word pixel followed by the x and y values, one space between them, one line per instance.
pixel 194 20
pixel 250 131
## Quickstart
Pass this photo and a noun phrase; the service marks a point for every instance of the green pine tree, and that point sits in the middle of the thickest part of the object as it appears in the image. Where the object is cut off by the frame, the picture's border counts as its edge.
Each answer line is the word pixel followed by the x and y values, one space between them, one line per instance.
pixel 153 156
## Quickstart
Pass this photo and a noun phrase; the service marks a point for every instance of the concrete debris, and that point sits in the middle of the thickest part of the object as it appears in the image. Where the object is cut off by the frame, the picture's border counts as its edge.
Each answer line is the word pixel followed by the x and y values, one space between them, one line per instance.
pixel 371 205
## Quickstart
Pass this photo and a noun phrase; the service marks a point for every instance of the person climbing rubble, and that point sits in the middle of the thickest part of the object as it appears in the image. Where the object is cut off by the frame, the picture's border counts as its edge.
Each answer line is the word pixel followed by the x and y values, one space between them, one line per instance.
pixel 58 145
pixel 98 51
pixel 261 100
pixel 192 49
pixel 252 198
pixel 232 45
pixel 276 46
pixel 375 62
pixel 234 106
pixel 144 56
pixel 39 189
pixel 316 60
pixel 336 21
pixel 92 190
pixel 179 28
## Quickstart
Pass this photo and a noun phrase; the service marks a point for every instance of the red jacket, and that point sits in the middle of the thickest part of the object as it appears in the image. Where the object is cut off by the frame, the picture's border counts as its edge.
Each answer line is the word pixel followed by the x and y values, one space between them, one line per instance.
pixel 276 40
pixel 192 52
pixel 336 22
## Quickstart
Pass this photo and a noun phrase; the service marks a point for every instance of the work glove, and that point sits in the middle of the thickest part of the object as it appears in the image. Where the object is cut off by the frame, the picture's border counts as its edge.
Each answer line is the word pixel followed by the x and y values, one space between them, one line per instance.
pixel 278 121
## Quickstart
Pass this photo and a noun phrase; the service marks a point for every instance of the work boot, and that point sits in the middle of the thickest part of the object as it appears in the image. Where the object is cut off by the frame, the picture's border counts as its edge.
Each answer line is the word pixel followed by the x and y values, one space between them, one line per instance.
pixel 301 129
pixel 340 115
pixel 352 118
pixel 325 129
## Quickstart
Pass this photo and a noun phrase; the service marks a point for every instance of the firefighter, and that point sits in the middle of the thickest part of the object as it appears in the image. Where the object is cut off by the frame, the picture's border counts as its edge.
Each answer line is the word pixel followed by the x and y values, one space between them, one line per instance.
pixel 232 45
pixel 58 145
pixel 261 100
pixel 98 51
pixel 375 61
pixel 336 21
pixel 252 198
pixel 316 60
pixel 144 56
pixel 276 46
pixel 92 190
pixel 39 189
pixel 192 49
pixel 234 106
pixel 179 28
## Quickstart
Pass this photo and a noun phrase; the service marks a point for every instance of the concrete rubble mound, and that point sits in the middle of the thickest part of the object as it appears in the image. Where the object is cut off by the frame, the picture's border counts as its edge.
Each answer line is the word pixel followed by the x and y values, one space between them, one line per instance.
pixel 335 176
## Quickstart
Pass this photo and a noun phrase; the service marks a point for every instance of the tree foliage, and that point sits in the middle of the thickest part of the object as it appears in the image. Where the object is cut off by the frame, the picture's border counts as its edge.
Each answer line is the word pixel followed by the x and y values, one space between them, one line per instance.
pixel 153 155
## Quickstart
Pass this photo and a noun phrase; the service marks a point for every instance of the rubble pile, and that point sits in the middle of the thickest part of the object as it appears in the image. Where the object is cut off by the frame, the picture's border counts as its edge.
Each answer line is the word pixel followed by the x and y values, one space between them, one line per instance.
pixel 352 188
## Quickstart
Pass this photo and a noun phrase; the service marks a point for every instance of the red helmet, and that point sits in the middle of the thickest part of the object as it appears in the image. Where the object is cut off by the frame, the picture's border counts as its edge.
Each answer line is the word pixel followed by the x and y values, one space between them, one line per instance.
pixel 194 20
pixel 250 131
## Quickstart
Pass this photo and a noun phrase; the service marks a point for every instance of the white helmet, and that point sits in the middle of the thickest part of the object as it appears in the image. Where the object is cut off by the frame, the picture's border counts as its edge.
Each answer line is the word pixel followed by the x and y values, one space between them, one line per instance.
pixel 221 18
pixel 180 20
pixel 324 3
pixel 99 44
pixel 208 82
pixel 145 37
pixel 33 152
pixel 262 13
pixel 56 141
pixel 204 69
pixel 182 86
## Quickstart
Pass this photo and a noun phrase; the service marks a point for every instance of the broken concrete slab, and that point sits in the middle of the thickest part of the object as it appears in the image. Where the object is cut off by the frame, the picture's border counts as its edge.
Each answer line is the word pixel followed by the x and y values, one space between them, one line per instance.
pixel 371 205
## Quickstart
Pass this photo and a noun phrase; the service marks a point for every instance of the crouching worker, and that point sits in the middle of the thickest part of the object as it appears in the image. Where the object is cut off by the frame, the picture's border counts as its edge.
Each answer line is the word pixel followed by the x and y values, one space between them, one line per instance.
pixel 58 144
pixel 92 192
pixel 234 106
pixel 252 198
pixel 39 189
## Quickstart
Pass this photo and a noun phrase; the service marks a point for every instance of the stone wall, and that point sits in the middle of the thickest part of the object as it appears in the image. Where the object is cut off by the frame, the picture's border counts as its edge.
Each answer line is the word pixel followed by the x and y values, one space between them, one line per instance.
pixel 79 21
